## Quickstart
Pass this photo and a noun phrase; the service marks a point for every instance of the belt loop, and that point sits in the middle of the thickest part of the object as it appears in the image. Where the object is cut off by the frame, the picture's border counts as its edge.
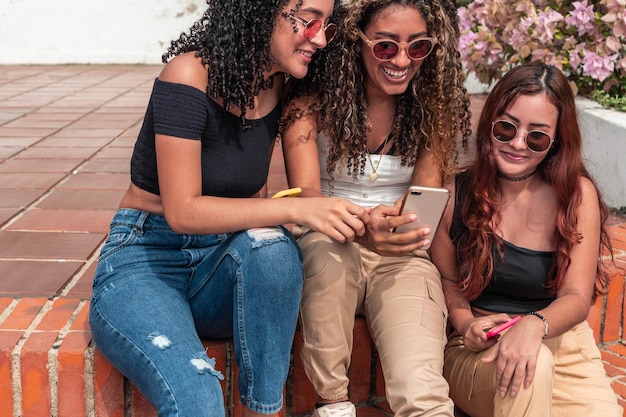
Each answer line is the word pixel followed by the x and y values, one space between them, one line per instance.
pixel 143 216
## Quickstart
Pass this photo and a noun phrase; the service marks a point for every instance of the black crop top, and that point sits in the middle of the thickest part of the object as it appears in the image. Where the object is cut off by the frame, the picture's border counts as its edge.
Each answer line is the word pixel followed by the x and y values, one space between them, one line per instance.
pixel 520 279
pixel 235 161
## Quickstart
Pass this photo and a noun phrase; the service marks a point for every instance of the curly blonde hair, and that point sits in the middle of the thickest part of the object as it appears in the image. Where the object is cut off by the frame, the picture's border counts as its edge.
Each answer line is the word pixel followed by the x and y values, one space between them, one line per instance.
pixel 432 113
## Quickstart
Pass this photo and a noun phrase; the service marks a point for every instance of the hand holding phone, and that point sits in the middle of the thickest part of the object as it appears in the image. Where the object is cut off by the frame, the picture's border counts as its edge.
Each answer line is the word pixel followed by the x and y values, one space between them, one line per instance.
pixel 499 329
pixel 428 203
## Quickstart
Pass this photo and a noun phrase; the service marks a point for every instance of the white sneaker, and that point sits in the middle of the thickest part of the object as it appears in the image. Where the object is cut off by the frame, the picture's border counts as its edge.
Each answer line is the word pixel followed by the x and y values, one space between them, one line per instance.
pixel 341 409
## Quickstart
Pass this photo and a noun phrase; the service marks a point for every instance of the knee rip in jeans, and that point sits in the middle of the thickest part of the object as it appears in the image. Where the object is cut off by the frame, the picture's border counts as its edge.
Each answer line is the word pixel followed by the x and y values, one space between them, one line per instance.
pixel 200 362
pixel 204 364
pixel 264 235
pixel 160 341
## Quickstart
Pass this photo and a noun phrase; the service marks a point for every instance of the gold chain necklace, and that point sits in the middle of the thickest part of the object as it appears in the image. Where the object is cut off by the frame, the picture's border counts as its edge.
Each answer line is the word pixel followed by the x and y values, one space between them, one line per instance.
pixel 375 165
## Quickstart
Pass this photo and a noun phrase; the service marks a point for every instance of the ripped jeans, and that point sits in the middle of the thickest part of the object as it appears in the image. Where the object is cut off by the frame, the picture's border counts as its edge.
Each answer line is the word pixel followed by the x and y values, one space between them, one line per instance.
pixel 156 293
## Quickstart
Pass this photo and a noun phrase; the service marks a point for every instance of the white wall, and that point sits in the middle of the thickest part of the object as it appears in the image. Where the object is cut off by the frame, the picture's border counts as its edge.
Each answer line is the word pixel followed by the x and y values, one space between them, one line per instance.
pixel 474 86
pixel 92 31
pixel 604 132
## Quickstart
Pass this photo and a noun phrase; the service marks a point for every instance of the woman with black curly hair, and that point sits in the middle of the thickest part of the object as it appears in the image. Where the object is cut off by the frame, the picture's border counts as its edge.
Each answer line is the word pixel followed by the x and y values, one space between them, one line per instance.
pixel 193 252
pixel 381 109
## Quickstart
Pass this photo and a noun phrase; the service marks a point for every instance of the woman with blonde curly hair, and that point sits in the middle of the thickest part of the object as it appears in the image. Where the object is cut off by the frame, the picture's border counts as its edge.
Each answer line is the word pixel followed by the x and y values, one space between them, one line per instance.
pixel 381 109
pixel 194 250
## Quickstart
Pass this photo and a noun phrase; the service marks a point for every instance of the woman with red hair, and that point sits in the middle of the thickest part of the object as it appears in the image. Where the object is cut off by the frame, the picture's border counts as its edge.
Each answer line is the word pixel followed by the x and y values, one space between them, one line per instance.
pixel 522 236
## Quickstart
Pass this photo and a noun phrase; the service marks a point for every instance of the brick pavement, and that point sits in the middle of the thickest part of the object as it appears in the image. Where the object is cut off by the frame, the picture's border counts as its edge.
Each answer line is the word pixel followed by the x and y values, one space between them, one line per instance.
pixel 66 136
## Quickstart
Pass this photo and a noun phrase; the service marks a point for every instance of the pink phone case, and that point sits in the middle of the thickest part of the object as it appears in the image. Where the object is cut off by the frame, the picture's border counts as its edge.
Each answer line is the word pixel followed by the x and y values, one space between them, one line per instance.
pixel 499 329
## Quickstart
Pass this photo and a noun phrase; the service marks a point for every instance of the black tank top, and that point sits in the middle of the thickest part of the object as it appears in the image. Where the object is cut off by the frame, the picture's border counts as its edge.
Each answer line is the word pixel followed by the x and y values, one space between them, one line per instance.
pixel 235 161
pixel 520 280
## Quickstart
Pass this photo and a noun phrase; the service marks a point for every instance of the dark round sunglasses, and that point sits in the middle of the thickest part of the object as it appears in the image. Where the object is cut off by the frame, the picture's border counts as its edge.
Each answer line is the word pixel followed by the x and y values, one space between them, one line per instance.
pixel 536 141
pixel 313 26
pixel 388 49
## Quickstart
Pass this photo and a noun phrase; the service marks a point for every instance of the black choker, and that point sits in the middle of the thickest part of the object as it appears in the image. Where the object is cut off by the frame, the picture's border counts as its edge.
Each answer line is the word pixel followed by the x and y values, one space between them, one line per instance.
pixel 516 179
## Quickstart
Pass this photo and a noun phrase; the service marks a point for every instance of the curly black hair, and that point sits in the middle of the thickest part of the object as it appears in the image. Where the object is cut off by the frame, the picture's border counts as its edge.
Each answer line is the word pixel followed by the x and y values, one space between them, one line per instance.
pixel 432 113
pixel 233 39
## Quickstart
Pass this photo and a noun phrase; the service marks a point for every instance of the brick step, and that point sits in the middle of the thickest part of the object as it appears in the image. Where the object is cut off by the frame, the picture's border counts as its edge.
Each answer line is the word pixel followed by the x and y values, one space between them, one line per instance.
pixel 50 367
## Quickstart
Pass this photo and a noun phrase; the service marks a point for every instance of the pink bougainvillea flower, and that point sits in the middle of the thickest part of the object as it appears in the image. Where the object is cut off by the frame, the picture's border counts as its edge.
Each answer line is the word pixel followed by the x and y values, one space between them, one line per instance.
pixel 519 39
pixel 546 24
pixel 585 38
pixel 598 67
pixel 576 56
pixel 582 18
pixel 465 21
pixel 467 39
pixel 616 16
pixel 613 43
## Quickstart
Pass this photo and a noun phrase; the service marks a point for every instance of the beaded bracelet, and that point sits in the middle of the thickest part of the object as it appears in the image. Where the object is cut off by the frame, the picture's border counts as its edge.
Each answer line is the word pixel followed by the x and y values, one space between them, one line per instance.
pixel 545 322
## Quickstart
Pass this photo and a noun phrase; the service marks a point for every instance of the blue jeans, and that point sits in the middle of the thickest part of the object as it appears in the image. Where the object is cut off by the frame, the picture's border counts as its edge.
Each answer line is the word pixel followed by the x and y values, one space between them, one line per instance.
pixel 156 293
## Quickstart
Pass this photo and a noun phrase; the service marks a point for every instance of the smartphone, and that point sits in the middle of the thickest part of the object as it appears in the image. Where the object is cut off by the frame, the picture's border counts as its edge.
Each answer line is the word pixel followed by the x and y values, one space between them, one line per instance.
pixel 499 329
pixel 428 203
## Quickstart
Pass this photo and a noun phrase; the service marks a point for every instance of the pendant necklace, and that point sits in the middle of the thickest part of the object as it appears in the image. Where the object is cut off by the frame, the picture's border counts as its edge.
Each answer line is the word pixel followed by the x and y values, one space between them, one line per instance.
pixel 376 164
pixel 515 179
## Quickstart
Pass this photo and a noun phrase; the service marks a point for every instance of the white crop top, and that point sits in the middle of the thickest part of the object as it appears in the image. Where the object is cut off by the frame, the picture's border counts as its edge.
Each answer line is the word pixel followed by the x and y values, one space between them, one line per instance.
pixel 393 179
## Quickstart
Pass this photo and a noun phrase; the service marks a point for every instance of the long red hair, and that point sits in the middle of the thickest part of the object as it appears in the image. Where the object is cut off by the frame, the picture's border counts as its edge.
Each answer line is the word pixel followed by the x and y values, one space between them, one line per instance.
pixel 562 168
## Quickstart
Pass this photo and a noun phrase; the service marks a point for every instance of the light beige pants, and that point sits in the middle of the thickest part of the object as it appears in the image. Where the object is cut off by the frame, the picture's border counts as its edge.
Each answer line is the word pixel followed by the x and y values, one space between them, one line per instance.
pixel 402 301
pixel 570 381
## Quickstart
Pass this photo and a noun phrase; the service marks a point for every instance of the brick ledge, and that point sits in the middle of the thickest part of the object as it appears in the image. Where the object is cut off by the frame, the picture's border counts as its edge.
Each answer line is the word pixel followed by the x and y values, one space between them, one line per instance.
pixel 50 367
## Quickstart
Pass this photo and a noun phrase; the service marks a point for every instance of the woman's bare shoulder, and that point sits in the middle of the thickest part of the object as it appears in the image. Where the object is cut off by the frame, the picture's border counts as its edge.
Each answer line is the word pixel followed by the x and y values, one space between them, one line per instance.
pixel 186 69
pixel 589 196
